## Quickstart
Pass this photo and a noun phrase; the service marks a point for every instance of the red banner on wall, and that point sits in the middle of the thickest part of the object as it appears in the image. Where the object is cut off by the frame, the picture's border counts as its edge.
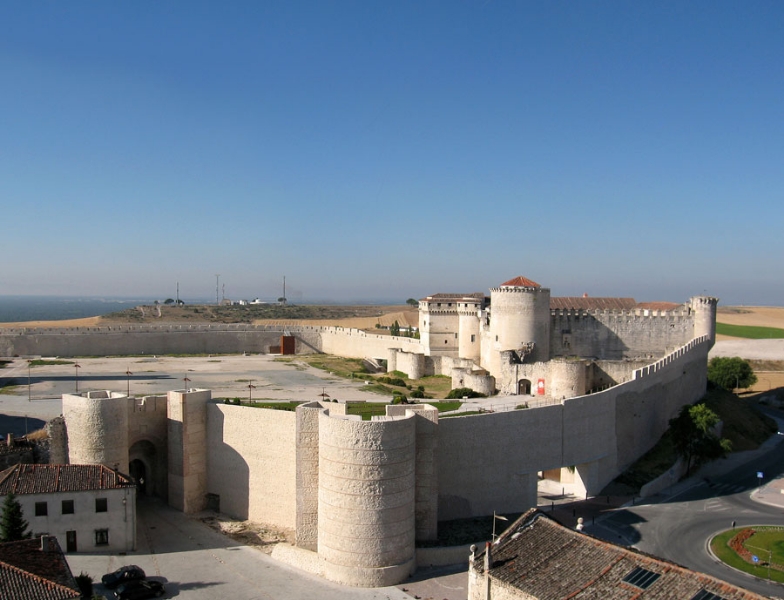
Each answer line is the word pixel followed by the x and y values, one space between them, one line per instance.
pixel 540 387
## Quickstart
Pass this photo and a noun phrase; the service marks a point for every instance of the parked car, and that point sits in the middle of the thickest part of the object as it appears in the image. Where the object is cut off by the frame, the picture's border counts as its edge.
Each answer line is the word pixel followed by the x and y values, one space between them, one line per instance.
pixel 139 589
pixel 121 575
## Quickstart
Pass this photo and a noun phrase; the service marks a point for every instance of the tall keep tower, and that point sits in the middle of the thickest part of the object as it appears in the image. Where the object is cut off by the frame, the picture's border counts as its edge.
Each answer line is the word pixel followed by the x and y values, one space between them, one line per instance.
pixel 520 318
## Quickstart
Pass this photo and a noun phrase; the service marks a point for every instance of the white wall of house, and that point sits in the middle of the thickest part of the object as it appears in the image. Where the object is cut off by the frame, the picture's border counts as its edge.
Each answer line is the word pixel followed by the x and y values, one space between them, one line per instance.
pixel 95 530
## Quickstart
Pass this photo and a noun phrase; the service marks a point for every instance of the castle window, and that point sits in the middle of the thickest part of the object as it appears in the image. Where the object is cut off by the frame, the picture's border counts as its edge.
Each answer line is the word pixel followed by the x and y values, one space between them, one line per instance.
pixel 101 505
pixel 68 507
pixel 101 537
pixel 473 337
pixel 455 336
pixel 41 509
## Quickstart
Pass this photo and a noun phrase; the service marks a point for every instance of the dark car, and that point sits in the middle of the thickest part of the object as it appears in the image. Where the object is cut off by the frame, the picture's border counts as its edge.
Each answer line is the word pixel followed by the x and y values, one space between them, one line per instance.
pixel 141 588
pixel 121 575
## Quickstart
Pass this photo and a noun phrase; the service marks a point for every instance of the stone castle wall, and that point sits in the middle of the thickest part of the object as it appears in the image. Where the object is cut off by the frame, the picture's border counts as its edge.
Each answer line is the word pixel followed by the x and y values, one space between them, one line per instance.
pixel 490 462
pixel 616 335
pixel 252 461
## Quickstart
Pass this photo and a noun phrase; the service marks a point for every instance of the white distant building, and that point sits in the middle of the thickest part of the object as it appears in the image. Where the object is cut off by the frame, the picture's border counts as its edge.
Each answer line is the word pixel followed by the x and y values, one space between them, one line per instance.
pixel 89 508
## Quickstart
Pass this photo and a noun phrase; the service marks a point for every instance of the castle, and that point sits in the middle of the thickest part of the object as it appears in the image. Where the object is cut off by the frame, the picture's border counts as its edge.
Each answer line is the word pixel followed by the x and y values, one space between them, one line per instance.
pixel 361 494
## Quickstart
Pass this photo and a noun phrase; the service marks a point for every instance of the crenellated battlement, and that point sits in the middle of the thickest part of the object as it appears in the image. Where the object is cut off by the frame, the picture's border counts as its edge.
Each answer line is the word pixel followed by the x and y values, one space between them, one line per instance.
pixel 682 312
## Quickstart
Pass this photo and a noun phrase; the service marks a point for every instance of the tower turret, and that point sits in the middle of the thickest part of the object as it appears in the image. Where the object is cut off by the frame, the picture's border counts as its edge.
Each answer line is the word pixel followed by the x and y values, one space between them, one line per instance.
pixel 520 318
pixel 704 308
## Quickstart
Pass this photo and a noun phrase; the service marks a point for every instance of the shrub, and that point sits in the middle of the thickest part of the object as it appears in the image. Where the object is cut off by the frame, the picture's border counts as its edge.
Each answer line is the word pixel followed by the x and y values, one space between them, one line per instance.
pixel 458 393
pixel 417 394
pixel 392 381
pixel 399 399
pixel 85 584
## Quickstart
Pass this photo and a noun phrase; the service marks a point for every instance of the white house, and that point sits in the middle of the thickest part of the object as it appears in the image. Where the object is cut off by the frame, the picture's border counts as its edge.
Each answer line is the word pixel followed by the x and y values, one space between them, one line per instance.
pixel 89 508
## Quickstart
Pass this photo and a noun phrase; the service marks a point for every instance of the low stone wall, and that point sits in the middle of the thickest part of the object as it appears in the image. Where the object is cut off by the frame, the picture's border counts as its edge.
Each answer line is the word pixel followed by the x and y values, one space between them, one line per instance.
pixel 665 480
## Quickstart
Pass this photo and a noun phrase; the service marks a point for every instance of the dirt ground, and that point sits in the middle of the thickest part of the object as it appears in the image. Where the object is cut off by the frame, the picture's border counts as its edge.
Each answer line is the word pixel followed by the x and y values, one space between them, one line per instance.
pixel 752 316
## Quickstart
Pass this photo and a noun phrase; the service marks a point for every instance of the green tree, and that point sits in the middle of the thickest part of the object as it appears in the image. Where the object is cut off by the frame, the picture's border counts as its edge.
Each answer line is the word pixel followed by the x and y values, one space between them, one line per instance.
pixel 169 301
pixel 412 302
pixel 731 373
pixel 394 329
pixel 13 526
pixel 692 432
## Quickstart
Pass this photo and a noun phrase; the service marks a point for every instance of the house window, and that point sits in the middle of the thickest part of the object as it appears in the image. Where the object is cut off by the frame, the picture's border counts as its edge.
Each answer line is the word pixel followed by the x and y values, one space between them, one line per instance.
pixel 68 507
pixel 41 509
pixel 101 537
pixel 101 505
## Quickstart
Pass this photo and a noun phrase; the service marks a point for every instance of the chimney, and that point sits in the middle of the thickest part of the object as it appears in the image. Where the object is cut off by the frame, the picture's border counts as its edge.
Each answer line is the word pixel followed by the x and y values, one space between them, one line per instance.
pixel 46 543
pixel 488 557
pixel 10 442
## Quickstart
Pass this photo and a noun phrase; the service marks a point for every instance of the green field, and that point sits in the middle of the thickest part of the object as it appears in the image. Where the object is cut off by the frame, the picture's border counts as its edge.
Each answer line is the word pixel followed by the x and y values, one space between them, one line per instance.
pixel 749 332
pixel 767 544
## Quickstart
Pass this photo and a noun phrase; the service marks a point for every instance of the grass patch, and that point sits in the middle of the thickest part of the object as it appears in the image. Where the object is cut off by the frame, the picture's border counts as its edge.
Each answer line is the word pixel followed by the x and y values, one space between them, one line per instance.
pixel 4 363
pixel 347 368
pixel 39 362
pixel 749 331
pixel 290 406
pixel 767 544
pixel 11 389
pixel 366 410
pixel 465 414
pixel 371 409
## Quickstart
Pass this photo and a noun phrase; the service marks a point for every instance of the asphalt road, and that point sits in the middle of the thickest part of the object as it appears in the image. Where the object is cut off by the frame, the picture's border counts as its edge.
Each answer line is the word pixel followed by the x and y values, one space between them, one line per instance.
pixel 678 526
pixel 195 562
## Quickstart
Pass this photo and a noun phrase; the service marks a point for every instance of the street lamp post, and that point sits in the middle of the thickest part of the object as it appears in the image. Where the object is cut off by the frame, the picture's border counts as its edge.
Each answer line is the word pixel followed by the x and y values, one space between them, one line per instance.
pixel 495 516
pixel 76 379
pixel 29 391
pixel 251 387
pixel 186 380
pixel 128 374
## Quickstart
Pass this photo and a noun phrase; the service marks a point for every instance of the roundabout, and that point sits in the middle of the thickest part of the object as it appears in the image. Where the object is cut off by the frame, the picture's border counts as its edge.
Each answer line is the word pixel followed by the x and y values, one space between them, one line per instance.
pixel 757 550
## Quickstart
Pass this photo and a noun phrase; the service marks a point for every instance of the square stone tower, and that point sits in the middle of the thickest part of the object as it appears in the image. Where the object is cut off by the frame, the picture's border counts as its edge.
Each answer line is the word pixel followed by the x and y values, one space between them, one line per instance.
pixel 187 432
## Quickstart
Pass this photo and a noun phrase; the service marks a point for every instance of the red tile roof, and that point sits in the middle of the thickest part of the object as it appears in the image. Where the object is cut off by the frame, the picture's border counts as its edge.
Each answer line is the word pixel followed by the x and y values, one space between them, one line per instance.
pixel 29 573
pixel 43 479
pixel 520 282
pixel 589 303
pixel 659 305
pixel 547 561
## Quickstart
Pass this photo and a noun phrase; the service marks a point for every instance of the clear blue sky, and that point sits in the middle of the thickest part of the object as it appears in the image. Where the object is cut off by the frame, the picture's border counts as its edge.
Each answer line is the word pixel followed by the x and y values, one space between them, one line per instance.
pixel 387 150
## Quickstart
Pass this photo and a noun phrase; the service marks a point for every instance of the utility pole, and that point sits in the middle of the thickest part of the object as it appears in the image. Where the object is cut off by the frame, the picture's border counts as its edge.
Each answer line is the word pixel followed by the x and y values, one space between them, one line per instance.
pixel 217 288
pixel 178 293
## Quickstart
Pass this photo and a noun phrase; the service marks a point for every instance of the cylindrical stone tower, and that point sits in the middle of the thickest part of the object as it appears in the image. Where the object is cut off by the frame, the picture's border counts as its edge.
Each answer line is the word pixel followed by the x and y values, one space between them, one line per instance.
pixel 469 345
pixel 97 428
pixel 366 514
pixel 520 314
pixel 704 308
pixel 567 378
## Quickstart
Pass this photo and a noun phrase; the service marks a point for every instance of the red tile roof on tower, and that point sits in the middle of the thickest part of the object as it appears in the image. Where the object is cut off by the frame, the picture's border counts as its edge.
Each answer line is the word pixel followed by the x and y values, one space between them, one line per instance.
pixel 520 282
pixel 32 570
pixel 44 479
